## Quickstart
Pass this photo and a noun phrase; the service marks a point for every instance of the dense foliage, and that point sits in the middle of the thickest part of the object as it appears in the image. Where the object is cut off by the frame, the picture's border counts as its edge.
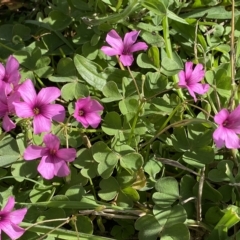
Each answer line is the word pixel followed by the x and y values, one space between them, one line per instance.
pixel 120 119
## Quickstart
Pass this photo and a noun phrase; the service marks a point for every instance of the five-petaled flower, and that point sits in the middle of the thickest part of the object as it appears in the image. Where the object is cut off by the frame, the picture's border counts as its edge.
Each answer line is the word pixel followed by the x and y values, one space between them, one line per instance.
pixel 9 75
pixel 190 79
pixel 87 112
pixel 53 159
pixel 125 47
pixel 39 107
pixel 228 128
pixel 10 219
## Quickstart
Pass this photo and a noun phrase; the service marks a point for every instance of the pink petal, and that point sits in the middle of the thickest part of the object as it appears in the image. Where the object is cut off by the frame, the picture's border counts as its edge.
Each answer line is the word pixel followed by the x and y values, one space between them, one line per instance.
pixel 14 97
pixel 93 106
pixel 191 92
pixel 61 169
pixel 129 39
pixel 82 103
pixel 28 92
pixel 17 216
pixel 46 167
pixel 54 111
pixel 223 135
pixel 23 110
pixel 33 152
pixel 93 119
pixel 110 51
pixel 114 40
pixel 197 74
pixel 41 124
pixel 126 60
pixel 199 88
pixel 66 154
pixel 12 65
pixel 182 80
pixel 188 70
pixel 222 116
pixel 7 123
pixel 234 120
pixel 51 141
pixel 9 205
pixel 2 72
pixel 14 78
pixel 138 47
pixel 47 95
pixel 82 120
pixel 3 109
pixel 11 229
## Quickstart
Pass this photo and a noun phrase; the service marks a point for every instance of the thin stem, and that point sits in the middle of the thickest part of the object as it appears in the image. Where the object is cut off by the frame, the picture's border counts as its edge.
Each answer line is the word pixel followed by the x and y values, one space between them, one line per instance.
pixel 46 221
pixel 135 82
pixel 234 88
pixel 53 229
pixel 155 95
pixel 8 48
pixel 120 63
pixel 135 122
pixel 200 191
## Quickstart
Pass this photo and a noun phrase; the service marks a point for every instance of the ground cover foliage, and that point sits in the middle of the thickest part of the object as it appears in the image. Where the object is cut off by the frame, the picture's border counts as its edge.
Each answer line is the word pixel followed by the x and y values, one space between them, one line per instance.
pixel 156 156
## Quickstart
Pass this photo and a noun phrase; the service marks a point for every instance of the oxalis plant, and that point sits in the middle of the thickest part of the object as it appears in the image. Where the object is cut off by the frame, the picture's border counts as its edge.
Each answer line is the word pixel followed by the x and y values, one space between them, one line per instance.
pixel 119 119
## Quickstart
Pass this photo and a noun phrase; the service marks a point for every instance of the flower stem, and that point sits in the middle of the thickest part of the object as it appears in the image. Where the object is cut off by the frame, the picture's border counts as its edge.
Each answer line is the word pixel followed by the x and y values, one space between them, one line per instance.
pixel 120 64
pixel 134 80
pixel 135 122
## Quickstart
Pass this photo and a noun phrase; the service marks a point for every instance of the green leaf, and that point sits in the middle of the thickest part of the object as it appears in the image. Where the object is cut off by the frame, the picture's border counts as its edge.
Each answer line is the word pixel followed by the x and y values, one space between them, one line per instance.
pixel 143 61
pixel 90 72
pixel 112 123
pixel 58 20
pixel 111 92
pixel 75 193
pixel 148 227
pixel 131 162
pixel 219 174
pixel 9 152
pixel 109 188
pixel 106 158
pixel 167 192
pixel 84 225
pixel 176 232
pixel 199 157
pixel 86 162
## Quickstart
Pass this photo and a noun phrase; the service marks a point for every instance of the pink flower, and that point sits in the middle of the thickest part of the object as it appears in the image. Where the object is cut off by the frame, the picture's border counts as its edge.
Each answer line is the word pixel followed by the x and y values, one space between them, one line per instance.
pixel 190 79
pixel 54 160
pixel 39 107
pixel 7 107
pixel 10 75
pixel 9 220
pixel 123 48
pixel 228 128
pixel 87 112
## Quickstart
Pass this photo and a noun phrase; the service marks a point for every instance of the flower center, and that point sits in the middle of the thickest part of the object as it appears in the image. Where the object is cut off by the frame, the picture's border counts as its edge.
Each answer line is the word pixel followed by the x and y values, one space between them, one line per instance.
pixel 225 123
pixel 52 151
pixel 36 111
pixel 81 112
pixel 6 77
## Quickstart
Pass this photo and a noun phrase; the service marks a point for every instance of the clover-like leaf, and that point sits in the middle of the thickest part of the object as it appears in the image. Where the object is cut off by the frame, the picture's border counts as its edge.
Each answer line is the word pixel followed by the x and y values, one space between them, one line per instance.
pixel 167 192
pixel 86 163
pixel 219 174
pixel 131 162
pixel 106 158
